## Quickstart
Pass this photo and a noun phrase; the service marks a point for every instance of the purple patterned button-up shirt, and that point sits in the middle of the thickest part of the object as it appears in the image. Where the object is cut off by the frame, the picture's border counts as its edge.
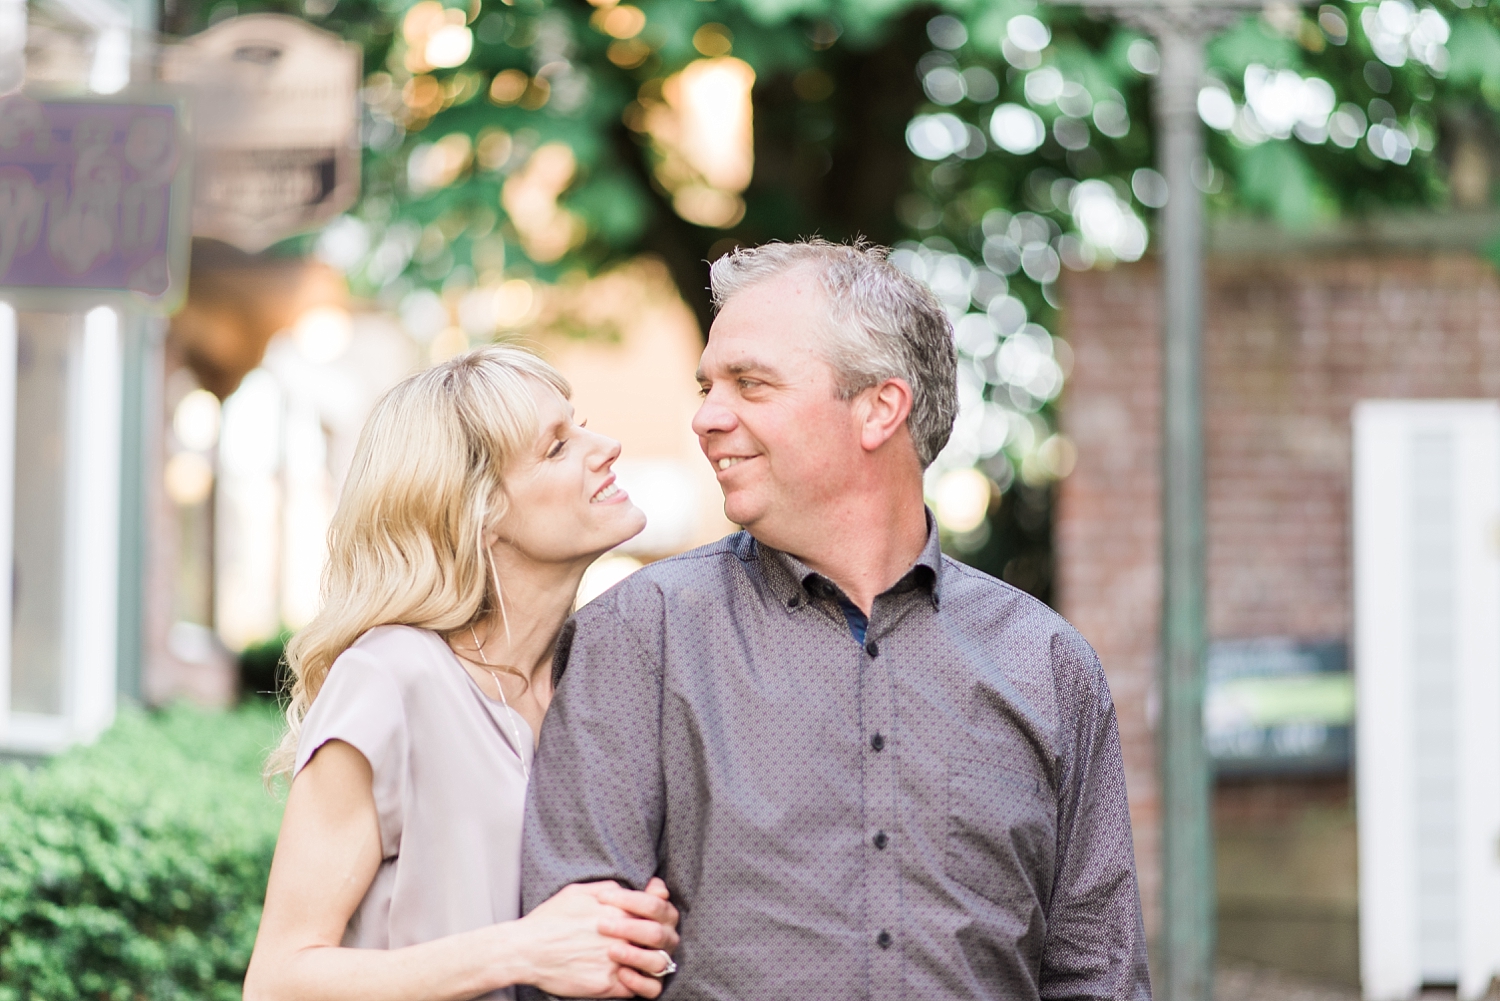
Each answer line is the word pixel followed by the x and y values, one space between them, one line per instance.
pixel 938 813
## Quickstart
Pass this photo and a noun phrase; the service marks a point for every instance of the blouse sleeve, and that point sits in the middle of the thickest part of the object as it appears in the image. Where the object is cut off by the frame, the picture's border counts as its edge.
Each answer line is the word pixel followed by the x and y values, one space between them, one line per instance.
pixel 360 703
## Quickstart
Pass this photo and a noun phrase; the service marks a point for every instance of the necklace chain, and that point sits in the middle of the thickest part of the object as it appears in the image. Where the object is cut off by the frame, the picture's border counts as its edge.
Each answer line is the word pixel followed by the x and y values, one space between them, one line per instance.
pixel 510 714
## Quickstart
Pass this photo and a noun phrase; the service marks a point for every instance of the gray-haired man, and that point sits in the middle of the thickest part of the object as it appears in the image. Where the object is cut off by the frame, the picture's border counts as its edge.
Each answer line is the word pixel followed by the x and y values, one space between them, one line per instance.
pixel 863 769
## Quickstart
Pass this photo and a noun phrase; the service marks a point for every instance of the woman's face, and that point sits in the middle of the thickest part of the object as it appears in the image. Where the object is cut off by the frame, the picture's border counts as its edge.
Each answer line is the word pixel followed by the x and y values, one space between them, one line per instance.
pixel 564 504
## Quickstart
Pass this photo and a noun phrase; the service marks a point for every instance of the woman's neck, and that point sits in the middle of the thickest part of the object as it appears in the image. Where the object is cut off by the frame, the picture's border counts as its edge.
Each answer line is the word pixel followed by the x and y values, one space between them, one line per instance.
pixel 536 598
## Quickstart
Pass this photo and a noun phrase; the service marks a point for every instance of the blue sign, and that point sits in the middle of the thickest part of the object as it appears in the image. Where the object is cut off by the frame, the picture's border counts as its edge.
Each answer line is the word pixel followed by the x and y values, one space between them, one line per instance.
pixel 92 200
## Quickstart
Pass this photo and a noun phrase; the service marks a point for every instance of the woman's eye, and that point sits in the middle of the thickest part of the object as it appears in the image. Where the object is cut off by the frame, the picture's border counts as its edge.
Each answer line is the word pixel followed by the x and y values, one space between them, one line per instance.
pixel 556 449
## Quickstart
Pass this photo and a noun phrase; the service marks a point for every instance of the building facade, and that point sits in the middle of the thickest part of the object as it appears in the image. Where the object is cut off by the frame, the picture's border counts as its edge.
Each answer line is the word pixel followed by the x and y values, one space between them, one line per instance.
pixel 1298 330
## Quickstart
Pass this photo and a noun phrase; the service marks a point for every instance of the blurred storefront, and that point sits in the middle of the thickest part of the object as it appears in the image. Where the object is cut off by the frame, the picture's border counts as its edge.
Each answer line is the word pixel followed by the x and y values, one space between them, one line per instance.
pixel 1300 329
pixel 174 478
pixel 96 198
pixel 204 445
pixel 109 414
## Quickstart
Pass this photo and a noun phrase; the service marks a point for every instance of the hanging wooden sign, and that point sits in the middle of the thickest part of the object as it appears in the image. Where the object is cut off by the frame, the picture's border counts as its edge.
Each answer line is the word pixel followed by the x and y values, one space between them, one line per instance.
pixel 277 127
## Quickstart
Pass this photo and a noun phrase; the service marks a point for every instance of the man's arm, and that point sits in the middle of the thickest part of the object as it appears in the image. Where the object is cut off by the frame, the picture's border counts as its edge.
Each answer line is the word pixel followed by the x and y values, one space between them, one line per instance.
pixel 1096 944
pixel 594 806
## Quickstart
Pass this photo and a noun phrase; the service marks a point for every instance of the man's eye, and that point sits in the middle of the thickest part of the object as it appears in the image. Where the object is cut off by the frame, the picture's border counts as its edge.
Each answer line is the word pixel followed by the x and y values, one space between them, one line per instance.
pixel 702 390
pixel 748 383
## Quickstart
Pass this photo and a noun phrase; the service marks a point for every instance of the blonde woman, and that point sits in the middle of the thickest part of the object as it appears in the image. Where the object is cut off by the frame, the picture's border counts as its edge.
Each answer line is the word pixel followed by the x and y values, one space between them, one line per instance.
pixel 472 508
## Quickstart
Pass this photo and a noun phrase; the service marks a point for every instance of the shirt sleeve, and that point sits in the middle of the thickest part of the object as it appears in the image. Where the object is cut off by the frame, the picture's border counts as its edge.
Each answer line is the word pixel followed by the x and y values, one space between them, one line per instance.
pixel 1096 942
pixel 360 703
pixel 595 803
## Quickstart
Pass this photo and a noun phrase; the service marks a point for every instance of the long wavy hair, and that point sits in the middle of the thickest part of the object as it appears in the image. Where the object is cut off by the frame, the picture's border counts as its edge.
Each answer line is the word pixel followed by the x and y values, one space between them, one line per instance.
pixel 406 546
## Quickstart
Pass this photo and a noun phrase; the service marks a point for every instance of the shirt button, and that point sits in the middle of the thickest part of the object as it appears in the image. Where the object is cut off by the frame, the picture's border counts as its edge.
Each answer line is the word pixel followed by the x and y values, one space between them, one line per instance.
pixel 872 648
pixel 793 602
pixel 881 840
pixel 883 940
pixel 877 742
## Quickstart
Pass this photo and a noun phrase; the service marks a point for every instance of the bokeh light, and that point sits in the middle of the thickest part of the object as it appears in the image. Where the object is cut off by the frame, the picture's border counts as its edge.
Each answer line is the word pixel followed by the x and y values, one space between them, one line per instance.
pixel 961 500
pixel 323 334
pixel 1016 129
pixel 195 420
pixel 188 479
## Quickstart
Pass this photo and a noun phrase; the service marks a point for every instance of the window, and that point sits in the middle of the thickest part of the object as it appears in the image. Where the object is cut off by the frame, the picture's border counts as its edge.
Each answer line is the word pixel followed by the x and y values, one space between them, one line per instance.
pixel 59 525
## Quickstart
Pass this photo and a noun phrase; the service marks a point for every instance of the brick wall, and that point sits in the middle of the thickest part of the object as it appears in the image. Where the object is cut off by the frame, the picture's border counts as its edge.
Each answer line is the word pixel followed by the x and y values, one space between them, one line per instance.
pixel 1293 340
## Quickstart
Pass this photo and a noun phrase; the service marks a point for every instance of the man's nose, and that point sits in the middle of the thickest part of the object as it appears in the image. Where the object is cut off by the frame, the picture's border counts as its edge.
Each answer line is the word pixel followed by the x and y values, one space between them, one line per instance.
pixel 713 416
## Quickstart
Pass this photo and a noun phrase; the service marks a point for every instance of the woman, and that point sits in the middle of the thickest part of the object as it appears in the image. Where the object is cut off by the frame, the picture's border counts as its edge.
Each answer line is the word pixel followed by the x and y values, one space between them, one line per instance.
pixel 473 506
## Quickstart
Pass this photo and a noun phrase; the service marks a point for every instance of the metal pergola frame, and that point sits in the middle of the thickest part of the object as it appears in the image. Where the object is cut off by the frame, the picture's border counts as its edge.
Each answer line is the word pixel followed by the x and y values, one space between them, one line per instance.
pixel 1181 29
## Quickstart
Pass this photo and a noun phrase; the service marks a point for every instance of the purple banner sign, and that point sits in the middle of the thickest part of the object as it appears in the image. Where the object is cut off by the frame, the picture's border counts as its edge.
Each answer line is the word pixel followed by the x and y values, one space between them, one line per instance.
pixel 86 196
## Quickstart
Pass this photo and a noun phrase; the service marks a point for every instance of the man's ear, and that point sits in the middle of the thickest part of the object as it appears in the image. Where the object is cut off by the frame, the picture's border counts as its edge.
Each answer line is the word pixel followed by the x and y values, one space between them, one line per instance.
pixel 884 410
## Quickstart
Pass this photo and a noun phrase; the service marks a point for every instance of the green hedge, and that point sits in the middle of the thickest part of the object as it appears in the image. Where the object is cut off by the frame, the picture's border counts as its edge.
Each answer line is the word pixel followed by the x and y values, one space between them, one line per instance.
pixel 135 869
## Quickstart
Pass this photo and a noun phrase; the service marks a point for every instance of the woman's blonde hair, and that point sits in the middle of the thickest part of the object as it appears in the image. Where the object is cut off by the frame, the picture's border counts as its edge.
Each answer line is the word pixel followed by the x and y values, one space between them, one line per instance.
pixel 406 546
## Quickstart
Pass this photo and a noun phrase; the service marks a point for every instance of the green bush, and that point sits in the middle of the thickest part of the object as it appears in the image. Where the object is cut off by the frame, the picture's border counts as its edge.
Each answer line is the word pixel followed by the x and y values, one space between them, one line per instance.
pixel 135 869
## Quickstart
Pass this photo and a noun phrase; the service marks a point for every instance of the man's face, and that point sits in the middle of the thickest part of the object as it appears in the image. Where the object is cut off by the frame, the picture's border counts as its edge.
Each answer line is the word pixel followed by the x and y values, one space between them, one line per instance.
pixel 781 442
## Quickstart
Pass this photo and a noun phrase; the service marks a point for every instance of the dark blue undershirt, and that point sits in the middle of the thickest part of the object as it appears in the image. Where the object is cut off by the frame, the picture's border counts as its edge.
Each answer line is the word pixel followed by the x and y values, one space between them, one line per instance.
pixel 858 621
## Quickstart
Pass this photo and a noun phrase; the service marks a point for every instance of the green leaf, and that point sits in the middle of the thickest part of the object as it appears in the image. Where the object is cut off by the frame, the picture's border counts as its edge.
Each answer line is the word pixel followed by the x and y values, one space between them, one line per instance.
pixel 776 12
pixel 1276 178
pixel 1250 40
pixel 1474 51
pixel 615 208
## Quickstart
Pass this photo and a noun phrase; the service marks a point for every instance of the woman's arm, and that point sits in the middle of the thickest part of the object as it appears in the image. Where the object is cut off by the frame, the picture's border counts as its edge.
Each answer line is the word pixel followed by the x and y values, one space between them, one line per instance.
pixel 327 855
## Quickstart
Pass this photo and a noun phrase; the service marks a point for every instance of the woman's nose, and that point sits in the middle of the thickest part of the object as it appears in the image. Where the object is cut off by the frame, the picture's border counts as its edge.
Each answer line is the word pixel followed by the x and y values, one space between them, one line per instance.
pixel 606 451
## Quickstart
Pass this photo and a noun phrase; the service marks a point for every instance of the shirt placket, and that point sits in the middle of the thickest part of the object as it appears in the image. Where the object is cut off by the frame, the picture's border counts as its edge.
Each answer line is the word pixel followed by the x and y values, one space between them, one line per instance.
pixel 882 845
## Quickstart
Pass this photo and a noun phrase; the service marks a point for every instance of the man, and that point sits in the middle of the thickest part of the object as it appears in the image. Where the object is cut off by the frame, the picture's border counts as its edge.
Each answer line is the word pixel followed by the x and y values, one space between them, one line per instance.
pixel 863 769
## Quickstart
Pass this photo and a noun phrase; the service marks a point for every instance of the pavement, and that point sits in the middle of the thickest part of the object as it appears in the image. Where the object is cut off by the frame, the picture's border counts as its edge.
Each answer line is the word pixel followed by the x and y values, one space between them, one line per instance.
pixel 1236 982
pixel 1256 983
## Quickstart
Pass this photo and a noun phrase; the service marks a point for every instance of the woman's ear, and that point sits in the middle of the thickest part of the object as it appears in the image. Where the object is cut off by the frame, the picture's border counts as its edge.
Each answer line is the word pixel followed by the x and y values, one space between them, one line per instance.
pixel 491 533
pixel 493 519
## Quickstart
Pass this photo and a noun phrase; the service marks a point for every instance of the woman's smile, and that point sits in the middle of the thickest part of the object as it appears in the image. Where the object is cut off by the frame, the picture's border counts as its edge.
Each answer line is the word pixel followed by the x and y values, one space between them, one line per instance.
pixel 609 493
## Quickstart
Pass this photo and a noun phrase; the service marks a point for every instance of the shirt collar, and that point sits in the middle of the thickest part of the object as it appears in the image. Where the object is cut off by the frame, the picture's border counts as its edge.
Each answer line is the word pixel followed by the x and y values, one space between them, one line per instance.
pixel 791 581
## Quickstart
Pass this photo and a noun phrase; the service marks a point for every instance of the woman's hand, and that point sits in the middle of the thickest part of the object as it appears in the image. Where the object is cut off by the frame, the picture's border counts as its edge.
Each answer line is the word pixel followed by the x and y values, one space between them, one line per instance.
pixel 648 934
pixel 649 919
pixel 591 940
pixel 571 955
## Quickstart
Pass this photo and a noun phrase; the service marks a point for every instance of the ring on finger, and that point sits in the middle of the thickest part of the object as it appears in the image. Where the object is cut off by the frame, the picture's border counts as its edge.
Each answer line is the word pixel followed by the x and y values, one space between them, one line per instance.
pixel 670 968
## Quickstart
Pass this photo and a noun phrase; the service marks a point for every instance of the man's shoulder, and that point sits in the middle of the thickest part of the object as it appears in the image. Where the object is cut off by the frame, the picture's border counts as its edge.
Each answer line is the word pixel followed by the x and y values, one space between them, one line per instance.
pixel 1005 611
pixel 698 573
pixel 713 562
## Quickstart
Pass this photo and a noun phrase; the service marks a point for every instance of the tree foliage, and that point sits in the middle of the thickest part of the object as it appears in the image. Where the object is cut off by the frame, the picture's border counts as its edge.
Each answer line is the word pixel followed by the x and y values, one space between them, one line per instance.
pixel 1002 140
pixel 1036 154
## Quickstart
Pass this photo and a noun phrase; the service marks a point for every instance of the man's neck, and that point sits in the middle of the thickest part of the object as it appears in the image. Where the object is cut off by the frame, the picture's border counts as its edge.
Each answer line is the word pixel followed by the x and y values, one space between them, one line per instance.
pixel 865 544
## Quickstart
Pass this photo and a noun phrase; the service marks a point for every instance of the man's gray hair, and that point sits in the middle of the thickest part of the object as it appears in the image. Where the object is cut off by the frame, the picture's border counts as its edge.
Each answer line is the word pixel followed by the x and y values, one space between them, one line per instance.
pixel 884 324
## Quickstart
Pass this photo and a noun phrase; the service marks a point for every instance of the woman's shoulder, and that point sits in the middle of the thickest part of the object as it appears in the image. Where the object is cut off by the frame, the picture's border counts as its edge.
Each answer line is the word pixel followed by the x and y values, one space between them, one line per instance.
pixel 378 680
pixel 398 644
pixel 400 654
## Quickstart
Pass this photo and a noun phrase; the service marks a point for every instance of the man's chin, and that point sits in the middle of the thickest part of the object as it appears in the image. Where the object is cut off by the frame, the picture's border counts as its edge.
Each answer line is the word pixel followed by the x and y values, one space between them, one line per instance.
pixel 742 510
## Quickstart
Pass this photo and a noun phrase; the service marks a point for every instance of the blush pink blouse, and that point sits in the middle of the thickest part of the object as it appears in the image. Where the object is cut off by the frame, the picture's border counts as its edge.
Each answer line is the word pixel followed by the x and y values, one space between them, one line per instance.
pixel 449 784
